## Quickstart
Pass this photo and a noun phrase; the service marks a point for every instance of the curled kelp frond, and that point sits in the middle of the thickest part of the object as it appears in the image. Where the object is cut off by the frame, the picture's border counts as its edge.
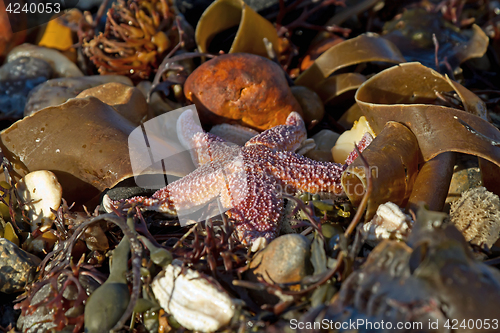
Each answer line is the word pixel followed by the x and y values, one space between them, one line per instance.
pixel 393 158
pixel 437 128
pixel 252 28
pixel 364 48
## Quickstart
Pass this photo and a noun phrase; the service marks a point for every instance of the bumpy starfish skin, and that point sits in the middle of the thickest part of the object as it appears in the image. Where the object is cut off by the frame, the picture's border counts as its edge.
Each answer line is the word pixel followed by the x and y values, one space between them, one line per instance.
pixel 249 179
pixel 362 144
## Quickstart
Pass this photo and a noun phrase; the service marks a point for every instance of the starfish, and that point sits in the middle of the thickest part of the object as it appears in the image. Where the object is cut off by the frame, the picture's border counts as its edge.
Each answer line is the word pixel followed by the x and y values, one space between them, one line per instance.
pixel 247 180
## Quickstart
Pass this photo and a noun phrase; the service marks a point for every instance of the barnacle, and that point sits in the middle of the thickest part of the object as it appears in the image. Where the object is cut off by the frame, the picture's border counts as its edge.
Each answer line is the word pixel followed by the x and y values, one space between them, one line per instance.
pixel 137 36
pixel 476 215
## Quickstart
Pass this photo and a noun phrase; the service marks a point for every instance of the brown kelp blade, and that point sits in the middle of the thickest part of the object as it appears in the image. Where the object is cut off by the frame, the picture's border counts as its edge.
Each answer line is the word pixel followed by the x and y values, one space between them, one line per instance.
pixel 393 158
pixel 84 142
pixel 364 48
pixel 333 87
pixel 400 93
pixel 433 182
pixel 252 28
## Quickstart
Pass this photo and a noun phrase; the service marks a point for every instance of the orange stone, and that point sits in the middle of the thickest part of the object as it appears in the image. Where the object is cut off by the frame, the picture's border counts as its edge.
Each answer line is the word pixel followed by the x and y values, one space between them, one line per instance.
pixel 241 88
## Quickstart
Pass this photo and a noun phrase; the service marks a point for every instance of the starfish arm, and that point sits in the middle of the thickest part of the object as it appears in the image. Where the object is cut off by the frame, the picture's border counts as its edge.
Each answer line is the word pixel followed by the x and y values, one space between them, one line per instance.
pixel 202 146
pixel 197 189
pixel 283 137
pixel 151 203
pixel 362 144
pixel 248 180
pixel 302 173
pixel 259 211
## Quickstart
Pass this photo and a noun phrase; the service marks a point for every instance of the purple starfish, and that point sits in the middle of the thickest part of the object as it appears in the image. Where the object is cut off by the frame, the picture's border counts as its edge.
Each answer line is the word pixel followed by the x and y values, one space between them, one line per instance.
pixel 248 180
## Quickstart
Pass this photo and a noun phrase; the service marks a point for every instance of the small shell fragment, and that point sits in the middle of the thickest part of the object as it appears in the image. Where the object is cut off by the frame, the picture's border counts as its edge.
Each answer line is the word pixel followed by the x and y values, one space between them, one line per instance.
pixel 195 302
pixel 40 192
pixel 389 220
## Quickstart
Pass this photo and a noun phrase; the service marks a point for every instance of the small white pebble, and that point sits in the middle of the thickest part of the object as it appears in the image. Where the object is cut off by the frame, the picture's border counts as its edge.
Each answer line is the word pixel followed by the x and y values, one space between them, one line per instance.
pixel 40 192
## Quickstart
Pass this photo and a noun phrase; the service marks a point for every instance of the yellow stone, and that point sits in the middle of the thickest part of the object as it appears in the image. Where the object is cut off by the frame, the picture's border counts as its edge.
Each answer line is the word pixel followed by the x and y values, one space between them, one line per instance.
pixel 57 36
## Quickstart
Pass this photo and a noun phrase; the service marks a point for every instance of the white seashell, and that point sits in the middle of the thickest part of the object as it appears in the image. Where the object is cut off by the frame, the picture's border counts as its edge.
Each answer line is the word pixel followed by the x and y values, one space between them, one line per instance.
pixel 389 220
pixel 40 192
pixel 194 301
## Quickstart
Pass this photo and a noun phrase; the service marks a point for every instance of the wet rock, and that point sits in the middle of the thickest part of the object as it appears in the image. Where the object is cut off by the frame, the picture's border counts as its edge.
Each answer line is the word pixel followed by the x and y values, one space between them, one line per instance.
pixel 127 189
pixel 17 79
pixel 284 260
pixel 325 140
pixel 224 89
pixel 236 134
pixel 25 68
pixel 17 267
pixel 57 91
pixel 311 104
pixel 62 66
pixel 87 148
pixel 127 100
pixel 13 97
